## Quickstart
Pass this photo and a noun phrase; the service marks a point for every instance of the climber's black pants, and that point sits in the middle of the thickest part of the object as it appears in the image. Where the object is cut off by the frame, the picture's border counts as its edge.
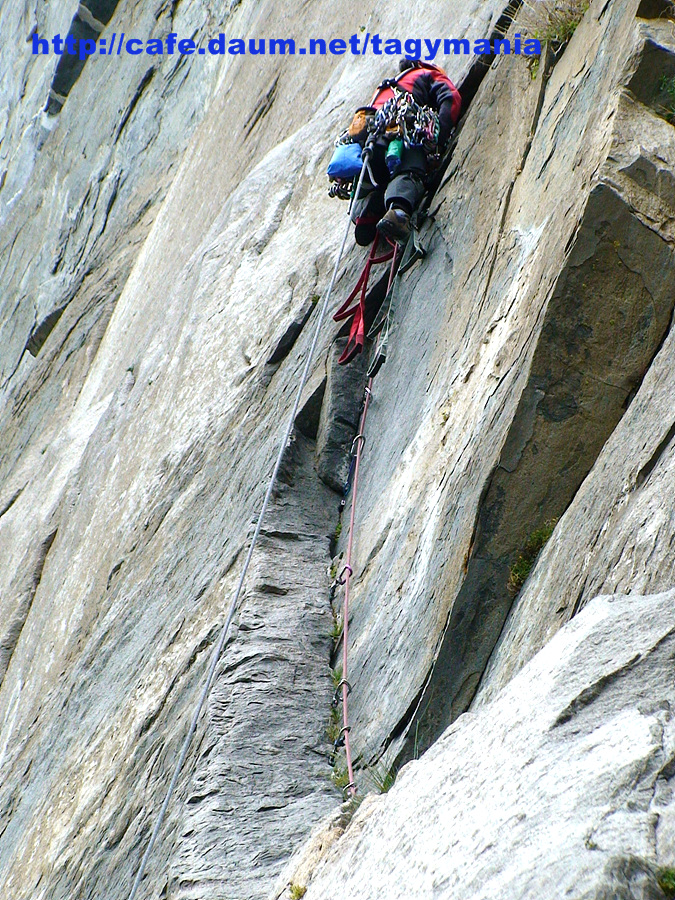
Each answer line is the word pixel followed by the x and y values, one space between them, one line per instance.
pixel 404 190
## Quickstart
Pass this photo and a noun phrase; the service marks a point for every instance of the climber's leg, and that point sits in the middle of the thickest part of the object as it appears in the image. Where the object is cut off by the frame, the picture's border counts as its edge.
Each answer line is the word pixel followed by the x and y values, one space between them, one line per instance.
pixel 403 194
pixel 369 206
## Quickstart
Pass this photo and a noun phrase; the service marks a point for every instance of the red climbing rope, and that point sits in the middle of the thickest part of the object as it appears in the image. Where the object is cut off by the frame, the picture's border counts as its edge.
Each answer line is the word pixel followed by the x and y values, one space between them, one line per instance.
pixel 347 571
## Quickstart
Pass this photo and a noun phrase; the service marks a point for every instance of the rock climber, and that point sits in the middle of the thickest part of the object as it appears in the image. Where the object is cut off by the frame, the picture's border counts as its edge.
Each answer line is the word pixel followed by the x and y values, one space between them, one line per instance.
pixel 404 131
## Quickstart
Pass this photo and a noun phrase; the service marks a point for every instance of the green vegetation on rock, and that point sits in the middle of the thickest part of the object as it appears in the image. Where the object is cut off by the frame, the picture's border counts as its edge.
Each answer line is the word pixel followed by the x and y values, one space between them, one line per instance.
pixel 528 555
pixel 666 880
pixel 667 92
pixel 553 21
pixel 340 776
pixel 383 779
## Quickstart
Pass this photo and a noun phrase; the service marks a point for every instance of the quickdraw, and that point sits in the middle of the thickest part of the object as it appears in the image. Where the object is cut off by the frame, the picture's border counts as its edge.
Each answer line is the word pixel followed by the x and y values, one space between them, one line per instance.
pixel 340 188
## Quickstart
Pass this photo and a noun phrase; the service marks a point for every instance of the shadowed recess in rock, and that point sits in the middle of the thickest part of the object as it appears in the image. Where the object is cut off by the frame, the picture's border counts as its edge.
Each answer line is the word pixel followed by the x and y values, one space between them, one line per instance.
pixel 656 9
pixel 654 81
pixel 89 21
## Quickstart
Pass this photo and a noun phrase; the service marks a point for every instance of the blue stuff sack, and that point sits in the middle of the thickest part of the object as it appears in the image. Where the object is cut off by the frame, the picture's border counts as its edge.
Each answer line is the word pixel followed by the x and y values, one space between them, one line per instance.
pixel 346 161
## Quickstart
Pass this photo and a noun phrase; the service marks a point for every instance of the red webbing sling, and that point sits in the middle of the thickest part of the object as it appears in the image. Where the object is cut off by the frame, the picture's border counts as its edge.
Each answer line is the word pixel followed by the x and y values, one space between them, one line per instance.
pixel 357 332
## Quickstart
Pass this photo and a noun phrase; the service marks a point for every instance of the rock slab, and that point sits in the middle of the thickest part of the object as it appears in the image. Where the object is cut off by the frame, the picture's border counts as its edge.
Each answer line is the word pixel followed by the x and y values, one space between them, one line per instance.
pixel 562 786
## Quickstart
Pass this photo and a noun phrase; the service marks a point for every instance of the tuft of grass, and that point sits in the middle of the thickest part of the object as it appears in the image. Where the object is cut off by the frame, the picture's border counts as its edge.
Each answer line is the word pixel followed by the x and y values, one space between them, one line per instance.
pixel 334 724
pixel 667 85
pixel 338 531
pixel 527 556
pixel 336 629
pixel 383 779
pixel 336 675
pixel 553 21
pixel 666 881
pixel 335 716
pixel 340 776
pixel 667 91
pixel 297 891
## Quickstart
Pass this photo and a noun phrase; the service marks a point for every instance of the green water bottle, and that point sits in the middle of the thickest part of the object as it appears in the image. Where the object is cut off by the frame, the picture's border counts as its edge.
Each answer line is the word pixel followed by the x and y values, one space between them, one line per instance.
pixel 393 156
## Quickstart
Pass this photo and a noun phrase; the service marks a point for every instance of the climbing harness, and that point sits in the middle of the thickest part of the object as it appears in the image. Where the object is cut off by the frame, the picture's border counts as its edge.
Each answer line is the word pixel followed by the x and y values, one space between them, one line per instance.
pixel 401 122
pixel 233 606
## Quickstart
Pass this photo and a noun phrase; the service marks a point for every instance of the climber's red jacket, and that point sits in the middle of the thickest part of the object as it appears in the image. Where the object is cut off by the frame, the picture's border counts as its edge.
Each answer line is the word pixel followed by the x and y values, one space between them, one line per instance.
pixel 430 86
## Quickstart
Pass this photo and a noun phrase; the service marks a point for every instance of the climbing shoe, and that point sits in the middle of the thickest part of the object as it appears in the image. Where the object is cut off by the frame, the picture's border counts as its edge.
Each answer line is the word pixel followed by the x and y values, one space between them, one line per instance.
pixel 365 230
pixel 395 225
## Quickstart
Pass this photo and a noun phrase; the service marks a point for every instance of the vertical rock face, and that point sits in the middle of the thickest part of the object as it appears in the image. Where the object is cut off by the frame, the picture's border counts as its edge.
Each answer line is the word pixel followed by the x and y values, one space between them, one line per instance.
pixel 618 532
pixel 548 324
pixel 166 236
pixel 154 269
